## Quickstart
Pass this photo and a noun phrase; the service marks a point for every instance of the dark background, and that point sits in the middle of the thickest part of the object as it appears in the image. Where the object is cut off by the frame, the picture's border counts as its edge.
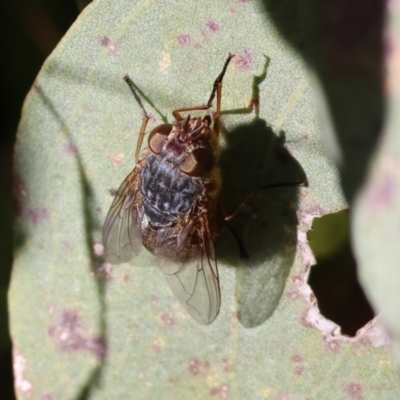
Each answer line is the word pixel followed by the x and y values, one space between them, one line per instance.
pixel 30 29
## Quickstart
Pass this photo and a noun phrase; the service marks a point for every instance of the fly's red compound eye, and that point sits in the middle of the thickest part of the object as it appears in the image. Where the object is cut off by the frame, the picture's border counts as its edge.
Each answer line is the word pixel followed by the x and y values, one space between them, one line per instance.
pixel 199 162
pixel 158 136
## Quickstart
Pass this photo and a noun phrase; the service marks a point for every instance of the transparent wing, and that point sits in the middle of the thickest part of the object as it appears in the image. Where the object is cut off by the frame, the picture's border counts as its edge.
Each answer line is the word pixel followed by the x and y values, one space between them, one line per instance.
pixel 195 281
pixel 121 231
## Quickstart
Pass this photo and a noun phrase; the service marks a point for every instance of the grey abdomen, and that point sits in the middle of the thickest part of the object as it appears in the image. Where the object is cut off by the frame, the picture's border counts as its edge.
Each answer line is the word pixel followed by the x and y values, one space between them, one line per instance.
pixel 167 192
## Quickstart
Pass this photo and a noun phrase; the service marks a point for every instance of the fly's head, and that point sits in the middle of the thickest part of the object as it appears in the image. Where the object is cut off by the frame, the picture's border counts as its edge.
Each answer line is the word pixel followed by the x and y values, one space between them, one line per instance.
pixel 189 144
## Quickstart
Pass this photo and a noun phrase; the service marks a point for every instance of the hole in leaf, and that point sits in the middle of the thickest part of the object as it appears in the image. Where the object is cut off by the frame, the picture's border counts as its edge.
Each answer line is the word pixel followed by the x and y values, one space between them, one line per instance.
pixel 334 278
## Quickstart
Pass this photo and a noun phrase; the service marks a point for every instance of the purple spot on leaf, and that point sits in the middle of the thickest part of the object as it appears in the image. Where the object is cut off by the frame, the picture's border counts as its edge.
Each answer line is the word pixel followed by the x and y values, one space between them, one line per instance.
pixel 212 26
pixel 184 40
pixel 383 193
pixel 156 348
pixel 244 61
pixel 297 358
pixel 105 41
pixel 167 319
pixel 37 215
pixel 227 367
pixel 104 271
pixel 354 390
pixel 69 335
pixel 196 366
pixel 298 364
pixel 333 346
pixel 70 149
pixel 220 391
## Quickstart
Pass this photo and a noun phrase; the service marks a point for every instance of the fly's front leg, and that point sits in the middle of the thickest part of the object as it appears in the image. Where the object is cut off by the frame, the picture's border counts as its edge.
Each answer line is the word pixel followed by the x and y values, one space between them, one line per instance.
pixel 254 103
pixel 145 120
pixel 177 113
pixel 217 89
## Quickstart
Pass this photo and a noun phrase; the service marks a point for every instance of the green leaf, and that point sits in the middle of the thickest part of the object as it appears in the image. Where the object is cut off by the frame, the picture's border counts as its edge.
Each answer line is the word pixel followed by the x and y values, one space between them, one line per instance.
pixel 117 332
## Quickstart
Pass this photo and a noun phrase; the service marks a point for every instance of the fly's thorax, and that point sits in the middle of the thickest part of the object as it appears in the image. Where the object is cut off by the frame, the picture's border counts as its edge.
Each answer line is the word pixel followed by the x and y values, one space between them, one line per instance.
pixel 167 192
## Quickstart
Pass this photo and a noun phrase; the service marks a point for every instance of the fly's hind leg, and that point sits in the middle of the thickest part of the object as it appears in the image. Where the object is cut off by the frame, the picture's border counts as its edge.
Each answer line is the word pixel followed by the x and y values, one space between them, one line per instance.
pixel 298 183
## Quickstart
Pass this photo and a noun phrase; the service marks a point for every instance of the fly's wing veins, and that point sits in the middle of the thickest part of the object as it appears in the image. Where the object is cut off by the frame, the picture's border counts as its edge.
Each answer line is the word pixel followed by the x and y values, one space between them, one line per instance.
pixel 194 281
pixel 121 232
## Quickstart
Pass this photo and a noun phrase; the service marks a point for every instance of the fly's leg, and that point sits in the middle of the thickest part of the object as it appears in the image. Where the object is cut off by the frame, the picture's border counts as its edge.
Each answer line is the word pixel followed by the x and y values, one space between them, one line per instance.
pixel 303 182
pixel 146 116
pixel 227 217
pixel 242 251
pixel 177 113
pixel 255 98
pixel 217 90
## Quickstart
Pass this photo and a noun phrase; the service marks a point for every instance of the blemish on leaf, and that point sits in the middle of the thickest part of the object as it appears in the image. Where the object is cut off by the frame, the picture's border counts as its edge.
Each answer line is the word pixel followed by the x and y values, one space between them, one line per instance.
pixel 244 61
pixel 297 358
pixel 19 194
pixel 70 149
pixel 167 319
pixel 38 215
pixel 213 26
pixel 184 40
pixel 333 346
pixel 304 136
pixel 312 316
pixel 107 42
pixel 315 319
pixel 20 382
pixel 293 295
pixel 143 377
pixel 69 336
pixel 104 271
pixel 156 348
pixel 221 391
pixel 373 333
pixel 165 62
pixel 118 159
pixel 227 367
pixel 298 364
pixel 381 196
pixel 98 249
pixel 354 390
pixel 283 397
pixel 196 366
pixel 236 315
